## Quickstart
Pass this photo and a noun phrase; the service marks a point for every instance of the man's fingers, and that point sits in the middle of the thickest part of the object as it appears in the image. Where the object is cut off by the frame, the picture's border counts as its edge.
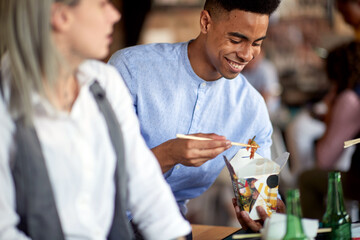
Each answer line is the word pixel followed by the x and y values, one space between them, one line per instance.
pixel 210 135
pixel 262 213
pixel 194 155
pixel 246 222
pixel 208 153
pixel 241 218
pixel 191 152
pixel 281 208
pixel 207 144
pixel 244 219
pixel 234 202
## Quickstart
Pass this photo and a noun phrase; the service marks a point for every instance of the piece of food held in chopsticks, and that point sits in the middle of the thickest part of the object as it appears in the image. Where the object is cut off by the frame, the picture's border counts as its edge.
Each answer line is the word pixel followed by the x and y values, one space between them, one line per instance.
pixel 253 147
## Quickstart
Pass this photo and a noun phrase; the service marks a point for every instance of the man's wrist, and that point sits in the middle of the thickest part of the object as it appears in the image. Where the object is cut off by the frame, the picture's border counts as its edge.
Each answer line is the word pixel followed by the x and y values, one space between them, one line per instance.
pixel 163 161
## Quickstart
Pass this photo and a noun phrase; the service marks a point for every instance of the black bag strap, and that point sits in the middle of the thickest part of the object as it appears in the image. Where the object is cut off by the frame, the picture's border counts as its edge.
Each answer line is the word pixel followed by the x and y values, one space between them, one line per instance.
pixel 121 227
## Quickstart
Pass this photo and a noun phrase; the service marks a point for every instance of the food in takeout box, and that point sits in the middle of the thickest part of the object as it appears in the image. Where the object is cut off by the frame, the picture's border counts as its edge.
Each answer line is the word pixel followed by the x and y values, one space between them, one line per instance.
pixel 255 181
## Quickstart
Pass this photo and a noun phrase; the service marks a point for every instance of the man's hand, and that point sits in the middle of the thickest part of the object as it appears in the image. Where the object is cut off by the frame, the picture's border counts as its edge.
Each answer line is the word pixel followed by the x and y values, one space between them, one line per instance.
pixel 280 206
pixel 247 223
pixel 190 152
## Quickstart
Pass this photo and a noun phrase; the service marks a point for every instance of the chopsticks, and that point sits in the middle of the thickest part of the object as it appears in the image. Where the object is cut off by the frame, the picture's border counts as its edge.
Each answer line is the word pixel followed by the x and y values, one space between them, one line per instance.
pixel 247 235
pixel 351 142
pixel 183 136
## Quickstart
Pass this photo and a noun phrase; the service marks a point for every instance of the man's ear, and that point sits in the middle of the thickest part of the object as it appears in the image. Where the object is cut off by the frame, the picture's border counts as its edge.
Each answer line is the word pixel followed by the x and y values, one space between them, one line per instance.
pixel 60 17
pixel 205 21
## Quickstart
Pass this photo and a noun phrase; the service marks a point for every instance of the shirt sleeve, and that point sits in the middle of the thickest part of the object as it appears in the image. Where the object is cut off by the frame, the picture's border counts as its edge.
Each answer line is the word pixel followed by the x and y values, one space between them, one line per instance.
pixel 150 199
pixel 118 60
pixel 8 217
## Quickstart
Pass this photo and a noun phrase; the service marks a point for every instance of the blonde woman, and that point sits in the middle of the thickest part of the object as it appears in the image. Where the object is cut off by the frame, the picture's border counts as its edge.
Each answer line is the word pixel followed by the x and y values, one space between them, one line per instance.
pixel 72 159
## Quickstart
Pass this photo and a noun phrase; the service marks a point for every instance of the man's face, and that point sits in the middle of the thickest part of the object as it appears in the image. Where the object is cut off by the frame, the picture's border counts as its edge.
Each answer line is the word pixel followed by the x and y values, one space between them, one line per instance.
pixel 233 39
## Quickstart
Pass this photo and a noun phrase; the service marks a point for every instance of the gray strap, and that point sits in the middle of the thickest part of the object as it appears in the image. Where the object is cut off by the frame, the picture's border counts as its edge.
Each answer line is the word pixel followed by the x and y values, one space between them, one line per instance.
pixel 121 227
pixel 35 202
pixel 34 193
pixel 1 86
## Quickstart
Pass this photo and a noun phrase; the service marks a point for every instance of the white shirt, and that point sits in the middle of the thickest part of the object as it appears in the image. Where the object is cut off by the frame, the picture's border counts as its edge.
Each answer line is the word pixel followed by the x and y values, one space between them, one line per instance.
pixel 81 163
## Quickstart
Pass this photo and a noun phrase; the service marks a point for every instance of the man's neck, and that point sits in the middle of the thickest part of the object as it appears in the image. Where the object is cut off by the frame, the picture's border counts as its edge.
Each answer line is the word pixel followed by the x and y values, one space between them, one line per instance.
pixel 199 61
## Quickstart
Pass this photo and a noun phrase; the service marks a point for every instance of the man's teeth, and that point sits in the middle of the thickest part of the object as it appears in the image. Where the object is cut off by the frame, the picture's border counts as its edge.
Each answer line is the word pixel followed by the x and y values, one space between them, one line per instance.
pixel 235 65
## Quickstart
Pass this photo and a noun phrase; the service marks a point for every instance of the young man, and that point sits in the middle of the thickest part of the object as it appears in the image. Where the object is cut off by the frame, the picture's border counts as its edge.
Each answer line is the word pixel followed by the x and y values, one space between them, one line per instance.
pixel 196 88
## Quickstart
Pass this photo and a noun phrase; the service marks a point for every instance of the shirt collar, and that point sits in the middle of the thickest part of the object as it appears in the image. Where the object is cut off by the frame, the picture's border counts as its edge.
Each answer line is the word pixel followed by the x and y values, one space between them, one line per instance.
pixel 85 77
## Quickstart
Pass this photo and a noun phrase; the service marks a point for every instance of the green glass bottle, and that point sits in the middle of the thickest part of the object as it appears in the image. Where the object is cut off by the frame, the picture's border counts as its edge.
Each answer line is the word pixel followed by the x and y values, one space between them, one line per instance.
pixel 294 228
pixel 336 216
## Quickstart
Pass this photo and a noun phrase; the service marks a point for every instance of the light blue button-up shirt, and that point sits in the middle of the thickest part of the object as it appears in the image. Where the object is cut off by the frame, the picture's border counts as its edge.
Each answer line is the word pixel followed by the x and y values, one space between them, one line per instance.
pixel 169 98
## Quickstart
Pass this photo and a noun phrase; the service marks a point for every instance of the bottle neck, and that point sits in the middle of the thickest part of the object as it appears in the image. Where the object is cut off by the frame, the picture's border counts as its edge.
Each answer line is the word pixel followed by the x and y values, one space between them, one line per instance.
pixel 294 228
pixel 294 225
pixel 335 200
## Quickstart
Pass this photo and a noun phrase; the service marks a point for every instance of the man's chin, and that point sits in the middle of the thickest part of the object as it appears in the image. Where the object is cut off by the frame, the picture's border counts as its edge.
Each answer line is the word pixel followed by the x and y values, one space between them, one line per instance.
pixel 231 76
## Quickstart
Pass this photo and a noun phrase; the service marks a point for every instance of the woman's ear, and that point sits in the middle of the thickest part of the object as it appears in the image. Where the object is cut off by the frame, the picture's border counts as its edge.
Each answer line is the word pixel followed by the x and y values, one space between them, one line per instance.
pixel 205 21
pixel 60 17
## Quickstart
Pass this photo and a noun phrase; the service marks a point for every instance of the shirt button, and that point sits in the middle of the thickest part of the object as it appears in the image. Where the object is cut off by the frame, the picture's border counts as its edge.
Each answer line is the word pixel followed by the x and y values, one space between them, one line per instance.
pixel 203 84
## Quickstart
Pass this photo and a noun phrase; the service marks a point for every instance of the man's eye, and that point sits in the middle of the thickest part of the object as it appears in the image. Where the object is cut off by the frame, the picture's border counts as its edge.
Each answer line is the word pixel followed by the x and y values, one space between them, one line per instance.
pixel 256 44
pixel 234 41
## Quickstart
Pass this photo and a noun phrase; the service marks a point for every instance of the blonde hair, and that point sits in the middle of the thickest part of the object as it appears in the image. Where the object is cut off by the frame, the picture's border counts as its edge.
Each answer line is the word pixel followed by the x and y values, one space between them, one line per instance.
pixel 25 33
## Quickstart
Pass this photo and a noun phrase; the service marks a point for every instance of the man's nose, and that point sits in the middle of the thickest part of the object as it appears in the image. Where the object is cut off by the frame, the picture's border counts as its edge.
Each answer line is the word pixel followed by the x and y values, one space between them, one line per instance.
pixel 245 53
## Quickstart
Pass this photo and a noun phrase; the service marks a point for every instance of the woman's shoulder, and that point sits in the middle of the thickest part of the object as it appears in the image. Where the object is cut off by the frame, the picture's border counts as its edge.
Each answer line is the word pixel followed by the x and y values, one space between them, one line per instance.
pixel 347 105
pixel 347 97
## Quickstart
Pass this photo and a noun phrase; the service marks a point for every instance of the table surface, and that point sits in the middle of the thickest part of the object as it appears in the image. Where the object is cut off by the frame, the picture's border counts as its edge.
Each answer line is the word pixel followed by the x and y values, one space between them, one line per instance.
pixel 202 232
pixel 208 232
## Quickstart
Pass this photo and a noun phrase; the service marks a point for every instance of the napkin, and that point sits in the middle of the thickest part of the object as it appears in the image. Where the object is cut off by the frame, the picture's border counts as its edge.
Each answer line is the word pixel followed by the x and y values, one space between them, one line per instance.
pixel 275 227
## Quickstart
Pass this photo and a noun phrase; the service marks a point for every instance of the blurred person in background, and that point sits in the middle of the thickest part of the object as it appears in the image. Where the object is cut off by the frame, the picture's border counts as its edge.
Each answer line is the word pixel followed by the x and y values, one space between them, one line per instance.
pixel 342 124
pixel 310 124
pixel 263 76
pixel 195 87
pixel 340 114
pixel 72 158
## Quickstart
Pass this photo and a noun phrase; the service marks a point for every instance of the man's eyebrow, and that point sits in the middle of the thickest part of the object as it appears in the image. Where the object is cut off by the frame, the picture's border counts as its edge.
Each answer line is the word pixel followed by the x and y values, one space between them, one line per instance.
pixel 239 35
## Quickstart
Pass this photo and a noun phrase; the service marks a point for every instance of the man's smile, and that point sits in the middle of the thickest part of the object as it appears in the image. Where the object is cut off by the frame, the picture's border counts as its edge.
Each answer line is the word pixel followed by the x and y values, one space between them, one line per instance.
pixel 237 67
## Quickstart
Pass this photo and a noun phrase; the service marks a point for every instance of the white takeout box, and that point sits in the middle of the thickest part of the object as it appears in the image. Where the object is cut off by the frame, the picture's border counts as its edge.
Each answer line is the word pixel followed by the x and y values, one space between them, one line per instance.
pixel 255 181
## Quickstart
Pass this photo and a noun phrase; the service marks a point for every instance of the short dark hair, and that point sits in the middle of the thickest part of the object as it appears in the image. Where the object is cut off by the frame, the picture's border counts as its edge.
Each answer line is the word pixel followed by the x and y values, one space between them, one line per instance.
pixel 343 65
pixel 255 6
